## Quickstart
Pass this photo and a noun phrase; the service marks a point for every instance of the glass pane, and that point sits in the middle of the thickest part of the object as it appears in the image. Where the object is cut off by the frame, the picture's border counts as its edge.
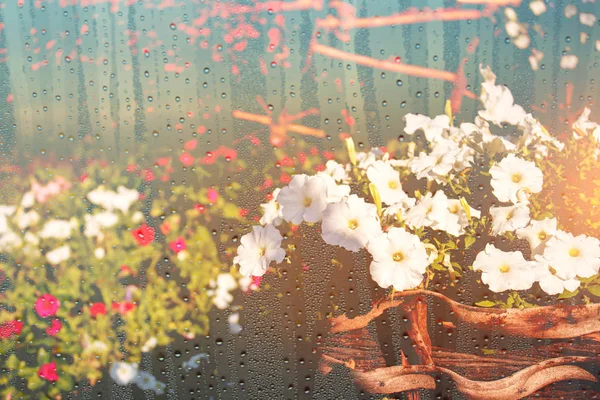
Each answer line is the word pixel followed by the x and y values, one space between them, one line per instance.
pixel 299 199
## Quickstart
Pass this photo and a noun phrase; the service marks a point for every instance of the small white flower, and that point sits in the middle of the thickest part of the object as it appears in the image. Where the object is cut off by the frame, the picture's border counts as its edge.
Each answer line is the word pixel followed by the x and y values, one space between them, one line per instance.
pixel 150 345
pixel 584 127
pixel 350 223
pixel 121 200
pixel 433 211
pixel 387 181
pixel 573 256
pixel 28 200
pixel 537 233
pixel 509 218
pixel 513 175
pixel 455 207
pixel 234 323
pixel 366 159
pixel 224 284
pixel 538 7
pixel 137 217
pixel 96 222
pixel 100 253
pixel 258 249
pixel 549 281
pixel 437 164
pixel 504 270
pixel 57 229
pixel 432 128
pixel 26 219
pixel 58 255
pixel 272 211
pixel 399 259
pixel 588 19
pixel 304 199
pixel 124 373
pixel 569 61
pixel 335 192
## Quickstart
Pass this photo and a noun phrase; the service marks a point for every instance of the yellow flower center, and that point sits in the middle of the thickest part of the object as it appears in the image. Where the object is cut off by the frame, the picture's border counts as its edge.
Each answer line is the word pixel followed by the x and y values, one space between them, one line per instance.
pixel 262 251
pixel 398 256
pixel 542 235
pixel 504 268
pixel 516 177
pixel 393 185
pixel 307 202
pixel 454 209
pixel 574 252
pixel 353 224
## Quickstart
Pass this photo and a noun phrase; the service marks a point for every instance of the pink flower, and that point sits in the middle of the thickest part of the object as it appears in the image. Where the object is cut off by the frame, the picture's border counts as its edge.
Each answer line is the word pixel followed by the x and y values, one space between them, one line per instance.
pixel 98 309
pixel 212 195
pixel 48 372
pixel 54 328
pixel 144 235
pixel 10 329
pixel 47 305
pixel 186 159
pixel 177 245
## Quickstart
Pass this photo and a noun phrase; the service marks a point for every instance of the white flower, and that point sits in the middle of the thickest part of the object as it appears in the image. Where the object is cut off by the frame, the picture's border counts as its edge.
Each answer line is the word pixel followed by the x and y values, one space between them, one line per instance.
pixel 304 199
pixel 509 218
pixel 350 223
pixel 549 281
pixel 570 11
pixel 584 127
pixel 437 164
pixel 588 19
pixel 137 217
pixel 504 270
pixel 99 253
pixel 365 160
pixel 234 323
pixel 224 284
pixel 569 61
pixel 9 241
pixel 272 211
pixel 387 181
pixel 573 256
pixel 337 171
pixel 399 259
pixel 57 229
pixel 335 192
pixel 258 249
pixel 455 207
pixel 26 219
pixel 145 380
pixel 513 175
pixel 58 255
pixel 149 345
pixel 537 233
pixel 121 200
pixel 124 373
pixel 498 101
pixel 433 211
pixel 432 128
pixel 28 200
pixel 96 222
pixel 538 7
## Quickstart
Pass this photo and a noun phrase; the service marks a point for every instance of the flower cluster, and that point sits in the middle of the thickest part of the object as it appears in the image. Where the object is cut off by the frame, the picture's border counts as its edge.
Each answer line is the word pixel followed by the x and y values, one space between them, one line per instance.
pixel 82 263
pixel 419 212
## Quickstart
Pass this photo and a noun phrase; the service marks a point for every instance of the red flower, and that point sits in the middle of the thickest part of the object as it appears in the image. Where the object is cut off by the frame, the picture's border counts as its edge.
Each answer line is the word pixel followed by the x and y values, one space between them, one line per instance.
pixel 10 329
pixel 148 175
pixel 190 144
pixel 122 307
pixel 131 168
pixel 97 309
pixel 200 207
pixel 54 328
pixel 177 245
pixel 144 235
pixel 47 305
pixel 48 372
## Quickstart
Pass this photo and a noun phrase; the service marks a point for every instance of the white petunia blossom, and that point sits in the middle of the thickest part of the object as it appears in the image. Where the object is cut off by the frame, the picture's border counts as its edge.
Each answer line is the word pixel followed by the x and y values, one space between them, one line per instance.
pixel 513 176
pixel 505 219
pixel 337 171
pixel 220 290
pixel 549 281
pixel 433 211
pixel 387 181
pixel 366 159
pixel 26 219
pixel 504 270
pixel 584 127
pixel 573 256
pixel 120 200
pixel 272 211
pixel 399 259
pixel 124 373
pixel 304 199
pixel 258 249
pixel 537 233
pixel 350 223
pixel 437 164
pixel 432 128
pixel 96 222
pixel 335 192
pixel 498 101
pixel 455 207
pixel 58 255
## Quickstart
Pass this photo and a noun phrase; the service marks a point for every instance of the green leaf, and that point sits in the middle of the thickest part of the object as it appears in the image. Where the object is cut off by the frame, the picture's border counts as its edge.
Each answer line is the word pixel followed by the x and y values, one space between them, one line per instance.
pixel 566 294
pixel 485 303
pixel 469 240
pixel 595 290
